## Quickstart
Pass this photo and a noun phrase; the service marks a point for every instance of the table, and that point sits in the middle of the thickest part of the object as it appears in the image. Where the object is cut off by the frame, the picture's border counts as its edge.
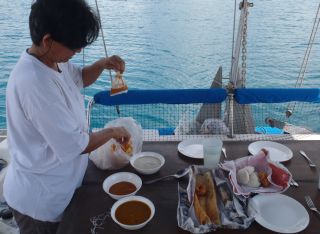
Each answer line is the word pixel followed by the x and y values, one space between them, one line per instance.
pixel 90 199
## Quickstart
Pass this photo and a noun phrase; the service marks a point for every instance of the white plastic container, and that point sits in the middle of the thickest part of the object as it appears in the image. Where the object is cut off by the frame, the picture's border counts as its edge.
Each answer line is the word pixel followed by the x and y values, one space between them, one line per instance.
pixel 211 152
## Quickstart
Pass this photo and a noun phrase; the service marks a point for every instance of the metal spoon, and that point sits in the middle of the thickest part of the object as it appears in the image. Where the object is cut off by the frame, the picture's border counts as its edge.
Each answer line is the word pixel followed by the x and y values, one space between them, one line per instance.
pixel 311 164
pixel 179 174
pixel 224 152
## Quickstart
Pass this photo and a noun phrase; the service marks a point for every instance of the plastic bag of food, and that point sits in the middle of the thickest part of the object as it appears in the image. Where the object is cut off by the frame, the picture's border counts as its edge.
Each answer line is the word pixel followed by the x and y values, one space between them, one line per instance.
pixel 118 85
pixel 272 177
pixel 113 155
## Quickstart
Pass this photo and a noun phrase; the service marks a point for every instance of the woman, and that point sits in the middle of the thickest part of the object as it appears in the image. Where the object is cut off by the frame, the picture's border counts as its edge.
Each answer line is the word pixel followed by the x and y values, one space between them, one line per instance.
pixel 47 130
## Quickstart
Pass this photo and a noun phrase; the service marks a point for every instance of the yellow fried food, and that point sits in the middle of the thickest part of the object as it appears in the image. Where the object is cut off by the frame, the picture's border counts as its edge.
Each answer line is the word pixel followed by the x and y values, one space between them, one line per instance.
pixel 200 212
pixel 205 200
pixel 263 177
pixel 127 148
pixel 212 207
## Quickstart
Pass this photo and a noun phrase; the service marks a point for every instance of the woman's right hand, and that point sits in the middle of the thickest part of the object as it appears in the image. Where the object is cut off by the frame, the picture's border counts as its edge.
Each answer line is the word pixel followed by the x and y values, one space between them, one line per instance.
pixel 121 135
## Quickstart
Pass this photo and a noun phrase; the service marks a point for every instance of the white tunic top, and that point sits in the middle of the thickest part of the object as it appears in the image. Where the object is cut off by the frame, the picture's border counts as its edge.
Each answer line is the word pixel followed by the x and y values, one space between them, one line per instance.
pixel 47 132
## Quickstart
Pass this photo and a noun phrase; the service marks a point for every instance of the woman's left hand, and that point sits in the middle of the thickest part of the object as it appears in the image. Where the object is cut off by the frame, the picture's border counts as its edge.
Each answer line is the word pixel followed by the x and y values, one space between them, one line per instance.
pixel 115 62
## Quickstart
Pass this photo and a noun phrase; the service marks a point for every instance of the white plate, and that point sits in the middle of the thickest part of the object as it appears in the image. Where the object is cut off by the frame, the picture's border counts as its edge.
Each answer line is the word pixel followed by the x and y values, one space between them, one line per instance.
pixel 279 213
pixel 192 148
pixel 277 152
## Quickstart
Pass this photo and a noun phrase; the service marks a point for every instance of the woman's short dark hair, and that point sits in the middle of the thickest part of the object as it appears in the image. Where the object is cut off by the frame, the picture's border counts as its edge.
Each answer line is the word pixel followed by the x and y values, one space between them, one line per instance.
pixel 70 22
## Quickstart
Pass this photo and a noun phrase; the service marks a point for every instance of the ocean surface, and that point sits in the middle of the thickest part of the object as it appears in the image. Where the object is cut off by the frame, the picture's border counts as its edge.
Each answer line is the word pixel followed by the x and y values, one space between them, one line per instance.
pixel 181 43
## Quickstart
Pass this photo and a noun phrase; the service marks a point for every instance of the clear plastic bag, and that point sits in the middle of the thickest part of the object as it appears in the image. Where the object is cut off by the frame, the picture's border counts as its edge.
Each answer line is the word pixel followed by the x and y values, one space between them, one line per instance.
pixel 277 174
pixel 111 155
pixel 214 126
pixel 118 85
pixel 187 125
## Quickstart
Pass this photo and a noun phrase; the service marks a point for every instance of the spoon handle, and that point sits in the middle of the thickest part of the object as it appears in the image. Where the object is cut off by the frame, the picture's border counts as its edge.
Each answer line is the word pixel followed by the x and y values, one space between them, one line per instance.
pixel 294 183
pixel 224 152
pixel 158 179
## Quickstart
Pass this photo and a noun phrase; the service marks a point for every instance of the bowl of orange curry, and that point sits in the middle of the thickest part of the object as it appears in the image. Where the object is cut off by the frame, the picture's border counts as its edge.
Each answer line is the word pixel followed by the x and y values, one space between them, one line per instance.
pixel 122 184
pixel 132 212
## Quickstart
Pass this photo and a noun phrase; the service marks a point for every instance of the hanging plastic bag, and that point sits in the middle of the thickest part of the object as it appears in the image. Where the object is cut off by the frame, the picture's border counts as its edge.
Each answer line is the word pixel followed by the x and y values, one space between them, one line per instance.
pixel 113 155
pixel 118 85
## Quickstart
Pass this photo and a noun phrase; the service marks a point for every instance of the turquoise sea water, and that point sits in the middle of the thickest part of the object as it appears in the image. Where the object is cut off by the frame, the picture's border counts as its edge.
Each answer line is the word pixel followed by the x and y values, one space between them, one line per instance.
pixel 181 43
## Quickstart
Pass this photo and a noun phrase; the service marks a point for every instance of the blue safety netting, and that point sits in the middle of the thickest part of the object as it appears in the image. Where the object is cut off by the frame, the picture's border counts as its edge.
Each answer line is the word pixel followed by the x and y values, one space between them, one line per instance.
pixel 190 110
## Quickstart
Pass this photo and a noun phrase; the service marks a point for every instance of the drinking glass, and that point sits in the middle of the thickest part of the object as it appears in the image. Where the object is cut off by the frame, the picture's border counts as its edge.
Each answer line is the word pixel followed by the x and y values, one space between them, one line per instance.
pixel 211 152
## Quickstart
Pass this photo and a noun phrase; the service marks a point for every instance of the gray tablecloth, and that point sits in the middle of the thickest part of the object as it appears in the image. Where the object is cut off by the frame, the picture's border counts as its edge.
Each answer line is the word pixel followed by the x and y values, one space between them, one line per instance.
pixel 90 200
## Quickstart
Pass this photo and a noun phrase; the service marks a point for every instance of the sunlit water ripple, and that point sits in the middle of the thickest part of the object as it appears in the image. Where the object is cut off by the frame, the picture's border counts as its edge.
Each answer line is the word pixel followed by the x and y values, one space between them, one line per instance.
pixel 173 43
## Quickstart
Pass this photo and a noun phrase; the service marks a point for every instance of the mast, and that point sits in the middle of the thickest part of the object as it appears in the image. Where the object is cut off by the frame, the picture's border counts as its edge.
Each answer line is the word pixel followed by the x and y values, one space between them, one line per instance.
pixel 239 118
pixel 237 74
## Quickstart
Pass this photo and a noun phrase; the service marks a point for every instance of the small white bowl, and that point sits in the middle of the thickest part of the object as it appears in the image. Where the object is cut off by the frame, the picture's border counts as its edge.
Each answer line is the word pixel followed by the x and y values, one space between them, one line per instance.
pixel 131 213
pixel 121 177
pixel 147 162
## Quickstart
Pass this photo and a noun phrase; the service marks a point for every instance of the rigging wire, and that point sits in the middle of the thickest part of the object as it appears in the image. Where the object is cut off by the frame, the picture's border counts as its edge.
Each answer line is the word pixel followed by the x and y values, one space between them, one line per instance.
pixel 233 34
pixel 101 28
pixel 105 48
pixel 303 68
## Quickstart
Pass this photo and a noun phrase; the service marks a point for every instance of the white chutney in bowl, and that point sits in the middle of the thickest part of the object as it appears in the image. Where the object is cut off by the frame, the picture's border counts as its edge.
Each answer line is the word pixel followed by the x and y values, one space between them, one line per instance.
pixel 147 162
